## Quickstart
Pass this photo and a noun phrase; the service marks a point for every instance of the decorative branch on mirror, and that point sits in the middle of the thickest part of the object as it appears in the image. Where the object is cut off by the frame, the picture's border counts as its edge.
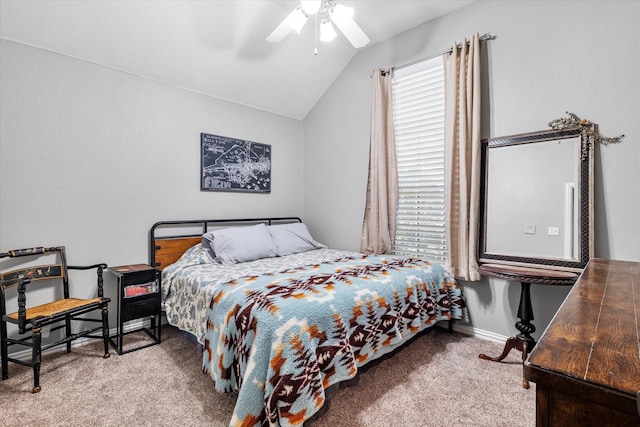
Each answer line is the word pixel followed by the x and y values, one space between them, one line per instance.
pixel 588 131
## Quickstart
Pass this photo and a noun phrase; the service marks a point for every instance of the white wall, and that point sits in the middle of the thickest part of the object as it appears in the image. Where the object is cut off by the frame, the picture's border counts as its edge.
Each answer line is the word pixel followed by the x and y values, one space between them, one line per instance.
pixel 91 158
pixel 549 57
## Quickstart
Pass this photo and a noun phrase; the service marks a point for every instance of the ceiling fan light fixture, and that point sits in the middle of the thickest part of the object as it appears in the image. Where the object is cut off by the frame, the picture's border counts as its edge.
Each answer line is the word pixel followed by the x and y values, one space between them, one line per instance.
pixel 310 7
pixel 327 33
pixel 297 19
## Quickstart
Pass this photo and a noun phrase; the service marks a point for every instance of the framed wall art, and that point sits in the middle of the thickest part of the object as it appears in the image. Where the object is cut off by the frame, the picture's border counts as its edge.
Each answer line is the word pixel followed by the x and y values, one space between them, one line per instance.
pixel 234 165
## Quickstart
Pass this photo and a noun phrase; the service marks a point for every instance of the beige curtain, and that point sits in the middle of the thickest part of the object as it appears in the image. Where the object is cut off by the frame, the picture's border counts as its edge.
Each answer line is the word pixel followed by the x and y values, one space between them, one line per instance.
pixel 462 157
pixel 379 225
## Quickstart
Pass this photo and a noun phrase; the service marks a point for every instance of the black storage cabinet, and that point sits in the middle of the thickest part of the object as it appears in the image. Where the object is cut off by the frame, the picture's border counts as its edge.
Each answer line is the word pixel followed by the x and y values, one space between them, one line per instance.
pixel 138 298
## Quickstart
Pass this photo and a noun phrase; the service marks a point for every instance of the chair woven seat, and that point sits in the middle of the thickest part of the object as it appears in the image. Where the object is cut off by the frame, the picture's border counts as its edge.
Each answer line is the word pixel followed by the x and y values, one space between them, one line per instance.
pixel 56 307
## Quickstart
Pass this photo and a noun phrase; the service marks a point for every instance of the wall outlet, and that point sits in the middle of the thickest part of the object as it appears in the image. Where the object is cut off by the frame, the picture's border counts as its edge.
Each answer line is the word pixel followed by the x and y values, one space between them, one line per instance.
pixel 553 231
pixel 529 229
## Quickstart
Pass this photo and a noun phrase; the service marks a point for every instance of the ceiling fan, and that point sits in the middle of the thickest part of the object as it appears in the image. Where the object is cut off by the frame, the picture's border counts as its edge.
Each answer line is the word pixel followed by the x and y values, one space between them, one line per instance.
pixel 326 11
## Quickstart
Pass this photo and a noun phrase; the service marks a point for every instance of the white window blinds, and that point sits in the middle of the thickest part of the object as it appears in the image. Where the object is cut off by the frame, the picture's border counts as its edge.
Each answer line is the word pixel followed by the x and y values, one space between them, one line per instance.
pixel 418 114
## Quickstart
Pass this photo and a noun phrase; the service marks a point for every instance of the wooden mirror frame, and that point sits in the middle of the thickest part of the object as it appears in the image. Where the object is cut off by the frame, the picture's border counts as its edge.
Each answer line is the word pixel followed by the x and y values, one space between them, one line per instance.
pixel 585 208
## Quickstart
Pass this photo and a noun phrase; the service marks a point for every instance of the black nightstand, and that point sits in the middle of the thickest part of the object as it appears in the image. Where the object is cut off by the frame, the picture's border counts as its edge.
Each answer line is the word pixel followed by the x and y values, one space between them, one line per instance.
pixel 138 298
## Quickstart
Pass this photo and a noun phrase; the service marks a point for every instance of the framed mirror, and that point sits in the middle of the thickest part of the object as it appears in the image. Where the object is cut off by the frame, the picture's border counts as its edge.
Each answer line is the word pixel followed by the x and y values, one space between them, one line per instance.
pixel 536 200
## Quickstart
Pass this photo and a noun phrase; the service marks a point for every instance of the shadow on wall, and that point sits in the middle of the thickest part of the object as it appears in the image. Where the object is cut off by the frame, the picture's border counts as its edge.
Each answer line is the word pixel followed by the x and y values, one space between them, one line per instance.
pixel 602 248
pixel 484 300
pixel 497 302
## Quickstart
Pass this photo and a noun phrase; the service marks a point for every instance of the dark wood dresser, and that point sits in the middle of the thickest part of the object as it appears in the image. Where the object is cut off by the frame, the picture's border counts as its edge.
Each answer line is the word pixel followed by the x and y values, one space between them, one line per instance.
pixel 586 365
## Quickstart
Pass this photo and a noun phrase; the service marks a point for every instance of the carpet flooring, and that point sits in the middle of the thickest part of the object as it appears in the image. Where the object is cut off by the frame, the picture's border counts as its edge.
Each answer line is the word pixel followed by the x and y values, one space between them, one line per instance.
pixel 435 380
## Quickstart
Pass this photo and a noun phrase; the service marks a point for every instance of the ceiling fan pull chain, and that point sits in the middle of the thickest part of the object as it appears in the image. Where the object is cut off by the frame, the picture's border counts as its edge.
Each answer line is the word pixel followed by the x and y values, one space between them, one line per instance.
pixel 315 50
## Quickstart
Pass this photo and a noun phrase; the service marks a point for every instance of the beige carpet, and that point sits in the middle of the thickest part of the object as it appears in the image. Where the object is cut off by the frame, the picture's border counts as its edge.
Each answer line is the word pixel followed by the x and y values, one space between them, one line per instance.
pixel 436 380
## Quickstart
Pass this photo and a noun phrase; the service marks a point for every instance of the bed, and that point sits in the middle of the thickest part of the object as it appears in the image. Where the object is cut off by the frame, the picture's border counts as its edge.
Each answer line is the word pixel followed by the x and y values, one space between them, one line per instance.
pixel 281 317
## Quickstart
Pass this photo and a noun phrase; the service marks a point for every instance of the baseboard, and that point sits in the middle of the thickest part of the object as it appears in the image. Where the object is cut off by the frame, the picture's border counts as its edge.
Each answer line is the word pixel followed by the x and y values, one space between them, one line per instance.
pixel 479 333
pixel 25 355
pixel 136 324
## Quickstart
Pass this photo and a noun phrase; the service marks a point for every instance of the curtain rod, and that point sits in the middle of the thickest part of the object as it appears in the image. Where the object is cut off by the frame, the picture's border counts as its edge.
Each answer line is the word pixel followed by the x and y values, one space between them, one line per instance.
pixel 486 36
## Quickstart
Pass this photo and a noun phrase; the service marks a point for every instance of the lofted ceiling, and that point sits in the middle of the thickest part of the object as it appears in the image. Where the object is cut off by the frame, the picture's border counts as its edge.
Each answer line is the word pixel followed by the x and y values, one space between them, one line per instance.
pixel 215 47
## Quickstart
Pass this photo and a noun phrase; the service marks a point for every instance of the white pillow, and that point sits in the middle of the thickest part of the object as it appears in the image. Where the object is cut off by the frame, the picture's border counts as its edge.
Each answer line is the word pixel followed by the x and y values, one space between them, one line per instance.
pixel 241 244
pixel 293 238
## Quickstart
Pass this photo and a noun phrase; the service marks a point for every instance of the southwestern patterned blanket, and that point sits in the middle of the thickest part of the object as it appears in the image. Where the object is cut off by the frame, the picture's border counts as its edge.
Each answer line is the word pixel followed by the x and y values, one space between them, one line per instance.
pixel 280 339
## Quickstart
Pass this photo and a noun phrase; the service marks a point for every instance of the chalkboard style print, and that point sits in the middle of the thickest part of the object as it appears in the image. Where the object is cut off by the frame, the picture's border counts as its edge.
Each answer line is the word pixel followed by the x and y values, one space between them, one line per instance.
pixel 236 165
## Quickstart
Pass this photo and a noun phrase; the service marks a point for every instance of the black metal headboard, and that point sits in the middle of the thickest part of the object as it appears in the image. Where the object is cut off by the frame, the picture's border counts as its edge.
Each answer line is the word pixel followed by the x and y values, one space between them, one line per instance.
pixel 168 240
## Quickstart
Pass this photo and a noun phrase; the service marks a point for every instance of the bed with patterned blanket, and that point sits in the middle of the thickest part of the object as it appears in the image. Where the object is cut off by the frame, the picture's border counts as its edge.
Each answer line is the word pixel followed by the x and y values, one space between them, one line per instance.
pixel 281 330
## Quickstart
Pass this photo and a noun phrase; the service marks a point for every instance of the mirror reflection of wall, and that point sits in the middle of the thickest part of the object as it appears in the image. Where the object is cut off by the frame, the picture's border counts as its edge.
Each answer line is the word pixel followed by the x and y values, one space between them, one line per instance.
pixel 533 199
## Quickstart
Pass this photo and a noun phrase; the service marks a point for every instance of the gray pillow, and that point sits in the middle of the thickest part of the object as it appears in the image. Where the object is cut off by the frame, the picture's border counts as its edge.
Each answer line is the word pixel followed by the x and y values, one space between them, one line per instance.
pixel 241 244
pixel 207 245
pixel 293 238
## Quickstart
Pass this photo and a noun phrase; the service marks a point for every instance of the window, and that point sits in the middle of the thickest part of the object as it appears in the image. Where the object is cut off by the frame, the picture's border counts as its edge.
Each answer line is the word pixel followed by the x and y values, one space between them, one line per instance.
pixel 418 114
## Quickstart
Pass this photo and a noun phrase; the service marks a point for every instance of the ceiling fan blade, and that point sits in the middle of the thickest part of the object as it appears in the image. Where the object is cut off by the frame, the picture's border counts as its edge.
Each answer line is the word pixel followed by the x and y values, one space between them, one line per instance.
pixel 351 31
pixel 294 21
pixel 280 32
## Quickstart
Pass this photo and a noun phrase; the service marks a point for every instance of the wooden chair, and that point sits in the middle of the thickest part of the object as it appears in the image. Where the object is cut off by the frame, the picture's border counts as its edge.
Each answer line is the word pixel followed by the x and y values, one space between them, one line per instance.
pixel 58 313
